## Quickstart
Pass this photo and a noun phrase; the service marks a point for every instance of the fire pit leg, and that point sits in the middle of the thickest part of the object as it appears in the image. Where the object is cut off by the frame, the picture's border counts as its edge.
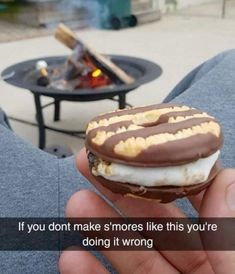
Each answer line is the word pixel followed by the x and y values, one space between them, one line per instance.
pixel 40 120
pixel 57 110
pixel 122 101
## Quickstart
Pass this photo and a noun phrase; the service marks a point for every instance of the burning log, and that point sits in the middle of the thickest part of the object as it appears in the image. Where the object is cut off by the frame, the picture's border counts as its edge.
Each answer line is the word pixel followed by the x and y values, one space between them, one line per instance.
pixel 69 39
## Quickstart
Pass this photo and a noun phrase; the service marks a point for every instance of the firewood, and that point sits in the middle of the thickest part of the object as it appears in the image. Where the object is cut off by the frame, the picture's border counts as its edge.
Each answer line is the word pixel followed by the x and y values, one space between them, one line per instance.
pixel 69 39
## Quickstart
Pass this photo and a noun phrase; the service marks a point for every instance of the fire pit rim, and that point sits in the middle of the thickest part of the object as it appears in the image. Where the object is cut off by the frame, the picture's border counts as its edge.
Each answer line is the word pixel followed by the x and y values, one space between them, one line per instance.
pixel 150 70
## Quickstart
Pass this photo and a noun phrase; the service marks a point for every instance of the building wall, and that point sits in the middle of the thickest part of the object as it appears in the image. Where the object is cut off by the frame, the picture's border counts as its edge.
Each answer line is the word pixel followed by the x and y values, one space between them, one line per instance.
pixel 168 5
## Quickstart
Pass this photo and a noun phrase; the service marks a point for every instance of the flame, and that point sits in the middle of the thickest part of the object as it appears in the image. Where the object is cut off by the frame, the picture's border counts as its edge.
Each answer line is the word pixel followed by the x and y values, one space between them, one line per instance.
pixel 96 73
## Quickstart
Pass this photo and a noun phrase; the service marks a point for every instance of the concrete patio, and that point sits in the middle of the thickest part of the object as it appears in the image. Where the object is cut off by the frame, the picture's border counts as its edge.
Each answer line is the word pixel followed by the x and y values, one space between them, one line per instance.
pixel 178 42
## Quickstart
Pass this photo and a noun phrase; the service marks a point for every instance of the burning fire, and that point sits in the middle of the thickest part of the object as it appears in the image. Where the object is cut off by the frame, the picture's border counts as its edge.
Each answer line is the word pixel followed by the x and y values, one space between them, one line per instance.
pixel 96 73
pixel 94 79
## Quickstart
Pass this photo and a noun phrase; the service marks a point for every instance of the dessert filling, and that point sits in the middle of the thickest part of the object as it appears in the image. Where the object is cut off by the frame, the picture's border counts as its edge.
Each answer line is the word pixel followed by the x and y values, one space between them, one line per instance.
pixel 184 175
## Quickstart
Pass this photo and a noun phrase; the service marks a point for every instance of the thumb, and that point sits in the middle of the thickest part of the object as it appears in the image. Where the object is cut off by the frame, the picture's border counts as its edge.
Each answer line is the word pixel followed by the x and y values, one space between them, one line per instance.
pixel 219 201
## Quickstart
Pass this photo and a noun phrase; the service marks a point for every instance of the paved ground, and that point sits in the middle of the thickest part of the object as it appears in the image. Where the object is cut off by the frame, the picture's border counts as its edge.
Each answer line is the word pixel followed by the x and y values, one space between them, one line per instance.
pixel 12 32
pixel 178 43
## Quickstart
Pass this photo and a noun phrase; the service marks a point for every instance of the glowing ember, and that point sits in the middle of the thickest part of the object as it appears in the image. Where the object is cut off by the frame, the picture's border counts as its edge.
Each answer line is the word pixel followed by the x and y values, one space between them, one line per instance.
pixel 96 73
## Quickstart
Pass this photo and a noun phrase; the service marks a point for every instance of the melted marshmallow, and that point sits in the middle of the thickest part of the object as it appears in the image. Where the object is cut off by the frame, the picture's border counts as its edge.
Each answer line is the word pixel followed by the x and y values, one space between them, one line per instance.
pixel 188 174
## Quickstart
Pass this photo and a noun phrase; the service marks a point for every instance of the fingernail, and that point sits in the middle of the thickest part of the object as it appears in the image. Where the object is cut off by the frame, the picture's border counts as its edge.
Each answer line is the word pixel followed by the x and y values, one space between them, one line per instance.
pixel 230 196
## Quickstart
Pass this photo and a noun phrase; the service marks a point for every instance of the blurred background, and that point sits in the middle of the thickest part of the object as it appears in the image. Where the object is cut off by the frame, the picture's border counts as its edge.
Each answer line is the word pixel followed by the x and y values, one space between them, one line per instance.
pixel 175 34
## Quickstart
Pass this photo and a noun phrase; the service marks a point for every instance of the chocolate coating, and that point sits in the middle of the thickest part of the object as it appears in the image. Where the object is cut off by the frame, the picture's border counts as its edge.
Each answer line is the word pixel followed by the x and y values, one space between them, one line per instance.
pixel 176 152
pixel 170 153
pixel 164 194
pixel 132 111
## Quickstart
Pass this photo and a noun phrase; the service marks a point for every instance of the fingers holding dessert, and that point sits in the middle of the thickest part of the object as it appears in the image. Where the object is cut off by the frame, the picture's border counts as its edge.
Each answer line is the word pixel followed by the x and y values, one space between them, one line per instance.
pixel 160 152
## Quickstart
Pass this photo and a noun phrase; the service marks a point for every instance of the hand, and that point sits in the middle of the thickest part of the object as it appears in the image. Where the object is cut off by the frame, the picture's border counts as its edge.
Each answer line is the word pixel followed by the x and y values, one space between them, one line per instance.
pixel 217 201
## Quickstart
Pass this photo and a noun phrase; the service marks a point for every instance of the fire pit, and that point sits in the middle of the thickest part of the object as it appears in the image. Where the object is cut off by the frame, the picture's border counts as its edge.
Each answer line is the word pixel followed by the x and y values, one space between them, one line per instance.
pixel 23 75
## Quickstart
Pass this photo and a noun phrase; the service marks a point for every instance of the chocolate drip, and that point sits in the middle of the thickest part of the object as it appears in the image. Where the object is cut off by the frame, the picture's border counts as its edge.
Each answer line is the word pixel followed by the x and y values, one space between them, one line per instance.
pixel 171 128
pixel 165 117
pixel 162 119
pixel 111 128
pixel 133 111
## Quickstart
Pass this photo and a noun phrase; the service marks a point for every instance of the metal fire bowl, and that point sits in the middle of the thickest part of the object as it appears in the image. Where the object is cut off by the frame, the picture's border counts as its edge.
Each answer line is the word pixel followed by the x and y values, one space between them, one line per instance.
pixel 23 75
